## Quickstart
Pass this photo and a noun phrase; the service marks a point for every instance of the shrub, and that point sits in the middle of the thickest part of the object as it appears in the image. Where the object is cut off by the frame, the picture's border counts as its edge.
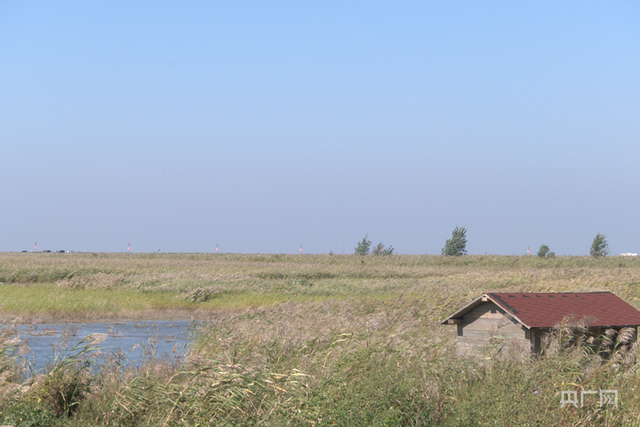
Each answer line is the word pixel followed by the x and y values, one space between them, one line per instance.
pixel 544 252
pixel 380 250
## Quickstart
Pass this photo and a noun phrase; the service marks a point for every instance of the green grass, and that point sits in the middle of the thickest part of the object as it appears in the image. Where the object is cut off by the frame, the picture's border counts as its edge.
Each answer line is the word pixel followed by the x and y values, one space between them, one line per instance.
pixel 48 301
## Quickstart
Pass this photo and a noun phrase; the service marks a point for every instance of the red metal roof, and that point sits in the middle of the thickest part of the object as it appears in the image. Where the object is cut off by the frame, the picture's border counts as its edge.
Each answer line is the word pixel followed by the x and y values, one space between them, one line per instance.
pixel 547 310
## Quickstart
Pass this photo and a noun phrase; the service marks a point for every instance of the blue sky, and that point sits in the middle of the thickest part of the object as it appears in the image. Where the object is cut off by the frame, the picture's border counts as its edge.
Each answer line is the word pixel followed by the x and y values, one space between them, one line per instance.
pixel 261 126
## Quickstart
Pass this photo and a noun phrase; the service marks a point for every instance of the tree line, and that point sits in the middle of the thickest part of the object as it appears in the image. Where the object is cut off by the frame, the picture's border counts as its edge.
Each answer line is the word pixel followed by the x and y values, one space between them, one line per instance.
pixel 599 248
pixel 457 246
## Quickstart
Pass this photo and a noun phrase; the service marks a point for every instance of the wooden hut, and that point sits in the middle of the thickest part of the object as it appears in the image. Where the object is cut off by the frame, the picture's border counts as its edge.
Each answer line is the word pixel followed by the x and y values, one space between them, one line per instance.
pixel 521 319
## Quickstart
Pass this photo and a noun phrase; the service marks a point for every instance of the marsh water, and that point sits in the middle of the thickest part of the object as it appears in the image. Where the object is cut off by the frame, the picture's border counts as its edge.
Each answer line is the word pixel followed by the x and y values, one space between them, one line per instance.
pixel 132 342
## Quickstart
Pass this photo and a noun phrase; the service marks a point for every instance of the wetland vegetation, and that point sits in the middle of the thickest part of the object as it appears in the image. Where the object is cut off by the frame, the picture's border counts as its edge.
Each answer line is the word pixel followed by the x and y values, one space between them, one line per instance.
pixel 303 340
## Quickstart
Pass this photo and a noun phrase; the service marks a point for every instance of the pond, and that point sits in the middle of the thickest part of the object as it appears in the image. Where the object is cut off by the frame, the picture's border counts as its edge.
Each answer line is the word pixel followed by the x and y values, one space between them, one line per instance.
pixel 133 342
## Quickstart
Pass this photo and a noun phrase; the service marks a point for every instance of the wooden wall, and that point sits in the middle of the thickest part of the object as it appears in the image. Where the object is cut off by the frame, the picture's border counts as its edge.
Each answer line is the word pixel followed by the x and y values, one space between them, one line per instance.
pixel 488 324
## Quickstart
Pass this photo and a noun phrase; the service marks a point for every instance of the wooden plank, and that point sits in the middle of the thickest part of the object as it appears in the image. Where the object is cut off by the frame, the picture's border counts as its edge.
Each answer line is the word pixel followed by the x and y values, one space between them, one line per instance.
pixel 507 335
pixel 505 330
pixel 498 323
pixel 475 334
pixel 483 323
pixel 473 341
pixel 486 307
pixel 490 330
pixel 485 315
pixel 494 331
pixel 486 310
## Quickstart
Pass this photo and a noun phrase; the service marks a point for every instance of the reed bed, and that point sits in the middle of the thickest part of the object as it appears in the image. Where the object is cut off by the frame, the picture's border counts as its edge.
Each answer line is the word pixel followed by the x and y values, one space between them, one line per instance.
pixel 309 340
pixel 82 286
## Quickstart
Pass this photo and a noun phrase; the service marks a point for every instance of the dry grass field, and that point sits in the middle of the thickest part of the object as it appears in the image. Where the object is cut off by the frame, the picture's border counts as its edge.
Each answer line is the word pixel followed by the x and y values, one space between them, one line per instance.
pixel 305 340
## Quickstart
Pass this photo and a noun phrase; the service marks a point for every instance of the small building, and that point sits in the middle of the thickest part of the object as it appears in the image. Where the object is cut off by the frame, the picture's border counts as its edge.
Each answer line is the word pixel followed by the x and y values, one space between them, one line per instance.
pixel 522 319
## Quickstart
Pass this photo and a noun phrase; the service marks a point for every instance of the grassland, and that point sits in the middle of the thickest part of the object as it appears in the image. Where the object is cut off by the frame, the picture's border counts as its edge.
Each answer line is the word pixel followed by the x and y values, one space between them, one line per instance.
pixel 102 286
pixel 305 340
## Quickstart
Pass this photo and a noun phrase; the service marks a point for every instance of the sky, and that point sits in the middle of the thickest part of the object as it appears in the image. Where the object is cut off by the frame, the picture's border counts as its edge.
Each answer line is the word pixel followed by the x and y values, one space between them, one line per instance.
pixel 263 126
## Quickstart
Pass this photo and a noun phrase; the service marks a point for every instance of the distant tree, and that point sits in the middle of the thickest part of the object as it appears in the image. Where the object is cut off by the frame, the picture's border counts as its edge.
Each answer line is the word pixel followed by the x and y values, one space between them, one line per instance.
pixel 543 251
pixel 457 244
pixel 363 247
pixel 599 247
pixel 380 250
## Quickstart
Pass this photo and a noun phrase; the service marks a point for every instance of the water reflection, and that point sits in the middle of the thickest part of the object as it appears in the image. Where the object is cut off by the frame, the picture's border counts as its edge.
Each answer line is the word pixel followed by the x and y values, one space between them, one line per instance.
pixel 133 342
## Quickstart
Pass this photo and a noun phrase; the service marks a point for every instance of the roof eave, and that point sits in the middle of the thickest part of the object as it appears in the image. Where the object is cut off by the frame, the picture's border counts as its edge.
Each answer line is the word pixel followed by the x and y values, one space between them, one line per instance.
pixel 476 302
pixel 588 326
pixel 464 310
pixel 508 311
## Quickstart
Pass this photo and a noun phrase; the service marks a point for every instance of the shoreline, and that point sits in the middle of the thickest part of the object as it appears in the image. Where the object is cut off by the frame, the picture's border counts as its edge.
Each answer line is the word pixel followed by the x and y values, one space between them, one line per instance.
pixel 151 315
